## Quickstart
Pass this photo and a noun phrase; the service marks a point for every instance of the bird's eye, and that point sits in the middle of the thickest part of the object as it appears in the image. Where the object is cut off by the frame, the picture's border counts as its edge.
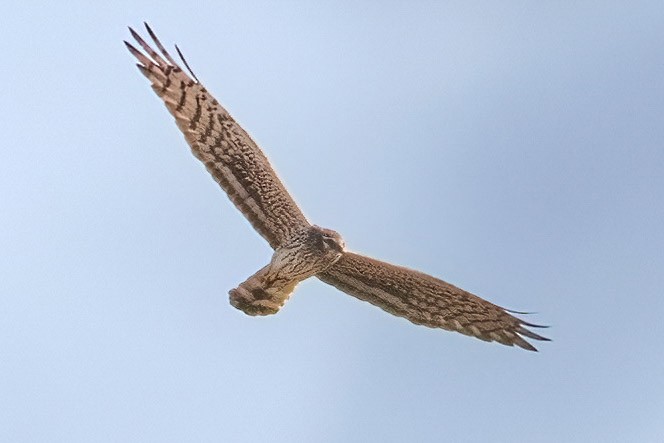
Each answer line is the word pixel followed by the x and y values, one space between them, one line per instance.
pixel 332 243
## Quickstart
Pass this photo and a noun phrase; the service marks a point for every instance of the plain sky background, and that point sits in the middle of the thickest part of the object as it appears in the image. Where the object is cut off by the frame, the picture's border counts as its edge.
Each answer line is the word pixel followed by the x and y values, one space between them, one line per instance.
pixel 512 148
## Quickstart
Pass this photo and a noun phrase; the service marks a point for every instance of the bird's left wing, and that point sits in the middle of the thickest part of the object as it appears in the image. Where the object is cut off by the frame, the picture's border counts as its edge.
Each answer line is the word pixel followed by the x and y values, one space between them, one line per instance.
pixel 426 300
pixel 228 152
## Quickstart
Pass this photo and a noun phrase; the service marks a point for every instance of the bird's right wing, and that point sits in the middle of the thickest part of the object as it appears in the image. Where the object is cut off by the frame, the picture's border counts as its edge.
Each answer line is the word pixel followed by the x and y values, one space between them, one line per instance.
pixel 426 300
pixel 228 152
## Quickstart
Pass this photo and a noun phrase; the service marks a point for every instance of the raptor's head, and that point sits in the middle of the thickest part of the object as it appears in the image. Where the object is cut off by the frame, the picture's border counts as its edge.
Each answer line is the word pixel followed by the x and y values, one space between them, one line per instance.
pixel 329 240
pixel 312 251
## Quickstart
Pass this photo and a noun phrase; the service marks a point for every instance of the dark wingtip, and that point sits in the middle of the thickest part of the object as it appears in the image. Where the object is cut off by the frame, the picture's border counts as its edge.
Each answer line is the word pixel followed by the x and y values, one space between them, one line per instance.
pixel 533 325
pixel 134 33
pixel 149 29
pixel 184 60
pixel 530 334
pixel 512 311
pixel 527 346
pixel 130 46
pixel 135 52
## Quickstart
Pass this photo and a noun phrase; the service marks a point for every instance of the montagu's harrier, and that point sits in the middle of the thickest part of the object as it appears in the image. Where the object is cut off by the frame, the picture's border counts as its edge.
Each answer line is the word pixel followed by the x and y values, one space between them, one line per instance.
pixel 303 250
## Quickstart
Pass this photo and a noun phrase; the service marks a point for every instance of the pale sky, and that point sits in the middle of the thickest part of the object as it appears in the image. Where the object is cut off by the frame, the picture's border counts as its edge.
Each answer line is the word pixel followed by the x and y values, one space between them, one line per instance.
pixel 512 148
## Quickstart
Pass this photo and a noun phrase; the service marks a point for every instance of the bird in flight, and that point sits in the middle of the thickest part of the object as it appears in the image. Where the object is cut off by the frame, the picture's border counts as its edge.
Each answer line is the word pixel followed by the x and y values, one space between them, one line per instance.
pixel 301 249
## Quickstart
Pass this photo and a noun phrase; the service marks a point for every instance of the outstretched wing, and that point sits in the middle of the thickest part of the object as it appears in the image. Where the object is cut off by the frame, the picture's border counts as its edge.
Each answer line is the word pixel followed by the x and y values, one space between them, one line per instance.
pixel 228 152
pixel 426 300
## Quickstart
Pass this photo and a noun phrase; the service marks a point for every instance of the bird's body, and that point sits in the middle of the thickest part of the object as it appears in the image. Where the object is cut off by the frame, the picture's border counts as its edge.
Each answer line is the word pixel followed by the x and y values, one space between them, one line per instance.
pixel 303 250
pixel 309 253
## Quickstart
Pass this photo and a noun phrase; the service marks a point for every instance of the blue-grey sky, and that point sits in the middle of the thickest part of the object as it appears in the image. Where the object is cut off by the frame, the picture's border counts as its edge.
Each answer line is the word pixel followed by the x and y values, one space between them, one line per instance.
pixel 512 148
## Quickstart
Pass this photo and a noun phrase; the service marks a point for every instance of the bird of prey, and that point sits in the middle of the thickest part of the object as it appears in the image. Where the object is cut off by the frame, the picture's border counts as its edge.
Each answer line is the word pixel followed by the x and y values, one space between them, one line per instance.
pixel 301 249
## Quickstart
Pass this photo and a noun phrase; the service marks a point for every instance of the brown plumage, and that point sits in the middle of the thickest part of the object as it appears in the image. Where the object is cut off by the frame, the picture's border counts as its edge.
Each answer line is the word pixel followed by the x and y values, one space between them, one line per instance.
pixel 226 150
pixel 426 300
pixel 310 252
pixel 302 250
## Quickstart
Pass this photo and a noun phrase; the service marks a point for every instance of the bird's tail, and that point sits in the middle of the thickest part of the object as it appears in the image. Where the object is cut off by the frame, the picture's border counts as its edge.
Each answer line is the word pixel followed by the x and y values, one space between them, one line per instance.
pixel 260 295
